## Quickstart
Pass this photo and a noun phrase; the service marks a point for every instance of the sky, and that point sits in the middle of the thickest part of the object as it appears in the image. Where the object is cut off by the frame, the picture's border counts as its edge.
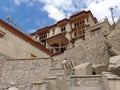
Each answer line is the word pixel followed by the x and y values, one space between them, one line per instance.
pixel 32 15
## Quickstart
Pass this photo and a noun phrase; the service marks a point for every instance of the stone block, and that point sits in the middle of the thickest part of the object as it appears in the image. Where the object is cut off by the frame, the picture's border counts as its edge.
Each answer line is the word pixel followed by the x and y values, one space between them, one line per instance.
pixel 83 69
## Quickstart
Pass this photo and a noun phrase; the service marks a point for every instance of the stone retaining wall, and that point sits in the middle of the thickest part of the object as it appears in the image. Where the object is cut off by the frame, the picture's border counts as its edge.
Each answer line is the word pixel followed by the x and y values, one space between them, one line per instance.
pixel 25 71
pixel 86 81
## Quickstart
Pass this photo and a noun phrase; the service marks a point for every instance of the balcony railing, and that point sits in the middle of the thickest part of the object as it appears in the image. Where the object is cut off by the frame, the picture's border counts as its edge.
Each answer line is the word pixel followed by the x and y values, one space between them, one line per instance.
pixel 43 39
pixel 81 27
pixel 79 31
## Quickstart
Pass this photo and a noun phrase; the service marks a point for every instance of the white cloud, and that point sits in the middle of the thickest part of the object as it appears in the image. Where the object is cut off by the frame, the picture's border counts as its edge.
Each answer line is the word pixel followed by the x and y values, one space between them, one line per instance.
pixel 59 9
pixel 54 12
pixel 31 31
pixel 6 9
pixel 101 9
pixel 29 2
pixel 17 2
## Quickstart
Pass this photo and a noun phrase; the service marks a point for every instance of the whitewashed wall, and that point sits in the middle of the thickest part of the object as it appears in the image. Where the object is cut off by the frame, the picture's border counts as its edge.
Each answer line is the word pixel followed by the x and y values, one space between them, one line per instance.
pixel 15 47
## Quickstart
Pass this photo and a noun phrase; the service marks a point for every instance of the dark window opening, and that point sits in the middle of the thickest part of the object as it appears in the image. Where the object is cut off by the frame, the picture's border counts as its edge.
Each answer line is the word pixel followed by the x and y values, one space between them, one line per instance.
pixel 93 73
pixel 80 22
pixel 75 24
pixel 83 21
pixel 63 29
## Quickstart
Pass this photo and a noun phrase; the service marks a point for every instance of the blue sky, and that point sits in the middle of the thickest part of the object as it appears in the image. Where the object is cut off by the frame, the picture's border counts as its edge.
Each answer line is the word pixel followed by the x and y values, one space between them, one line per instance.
pixel 34 14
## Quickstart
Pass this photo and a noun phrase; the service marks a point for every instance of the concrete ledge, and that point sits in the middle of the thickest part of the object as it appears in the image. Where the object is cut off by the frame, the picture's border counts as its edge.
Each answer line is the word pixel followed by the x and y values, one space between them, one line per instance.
pixel 11 59
pixel 59 74
pixel 39 82
pixel 56 69
pixel 113 78
pixel 85 76
pixel 50 78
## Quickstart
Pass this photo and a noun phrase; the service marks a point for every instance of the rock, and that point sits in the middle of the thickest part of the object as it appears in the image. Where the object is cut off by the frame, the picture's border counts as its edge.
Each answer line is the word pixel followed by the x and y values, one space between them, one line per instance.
pixel 83 69
pixel 113 62
pixel 78 42
pixel 98 69
pixel 12 88
pixel 114 65
pixel 114 41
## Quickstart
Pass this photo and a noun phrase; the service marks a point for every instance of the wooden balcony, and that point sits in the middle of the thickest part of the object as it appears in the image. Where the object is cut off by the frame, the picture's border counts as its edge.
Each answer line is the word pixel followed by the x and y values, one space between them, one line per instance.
pixel 80 27
pixel 44 39
pixel 79 31
pixel 78 34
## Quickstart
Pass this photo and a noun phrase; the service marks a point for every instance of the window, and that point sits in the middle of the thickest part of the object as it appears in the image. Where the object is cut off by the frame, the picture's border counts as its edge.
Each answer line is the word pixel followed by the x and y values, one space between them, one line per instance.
pixel 75 34
pixel 95 32
pixel 63 29
pixel 87 20
pixel 92 33
pixel 53 31
pixel 43 37
pixel 80 22
pixel 84 31
pixel 83 21
pixel 75 24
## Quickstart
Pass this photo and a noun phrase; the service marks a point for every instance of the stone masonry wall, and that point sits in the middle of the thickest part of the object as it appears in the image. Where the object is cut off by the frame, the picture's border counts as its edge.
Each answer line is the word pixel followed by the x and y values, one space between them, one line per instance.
pixel 86 81
pixel 24 72
pixel 2 62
